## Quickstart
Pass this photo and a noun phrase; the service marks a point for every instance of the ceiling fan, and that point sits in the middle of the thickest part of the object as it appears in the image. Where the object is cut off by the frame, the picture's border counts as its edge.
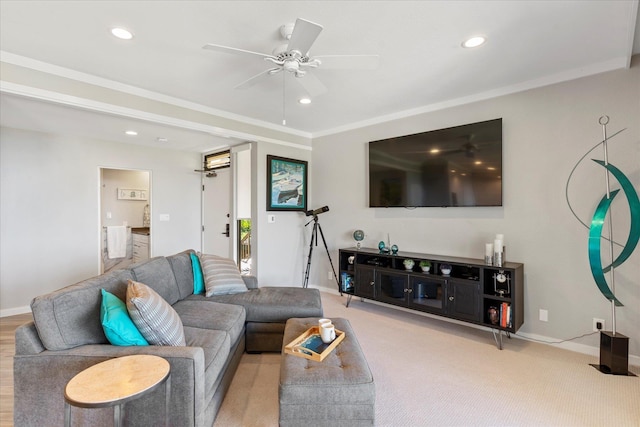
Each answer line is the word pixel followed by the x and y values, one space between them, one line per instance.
pixel 294 58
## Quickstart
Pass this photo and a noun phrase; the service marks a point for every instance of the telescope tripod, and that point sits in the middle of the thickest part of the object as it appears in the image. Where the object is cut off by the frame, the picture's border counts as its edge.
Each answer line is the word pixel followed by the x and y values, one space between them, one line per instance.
pixel 314 237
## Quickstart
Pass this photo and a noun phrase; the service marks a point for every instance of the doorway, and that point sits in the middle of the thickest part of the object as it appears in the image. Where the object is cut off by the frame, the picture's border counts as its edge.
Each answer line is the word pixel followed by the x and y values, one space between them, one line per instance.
pixel 226 206
pixel 216 202
pixel 125 217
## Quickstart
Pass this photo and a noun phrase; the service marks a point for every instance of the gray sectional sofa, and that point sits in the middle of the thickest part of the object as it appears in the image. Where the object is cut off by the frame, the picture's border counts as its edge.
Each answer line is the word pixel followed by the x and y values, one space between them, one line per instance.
pixel 66 337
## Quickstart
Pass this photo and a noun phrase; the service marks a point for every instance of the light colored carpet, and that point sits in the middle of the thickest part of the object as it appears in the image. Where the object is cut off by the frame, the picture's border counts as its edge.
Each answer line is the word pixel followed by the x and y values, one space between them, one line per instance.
pixel 430 372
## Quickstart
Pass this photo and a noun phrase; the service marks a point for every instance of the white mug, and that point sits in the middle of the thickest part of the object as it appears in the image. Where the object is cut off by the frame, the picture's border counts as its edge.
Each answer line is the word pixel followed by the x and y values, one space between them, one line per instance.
pixel 327 333
pixel 323 322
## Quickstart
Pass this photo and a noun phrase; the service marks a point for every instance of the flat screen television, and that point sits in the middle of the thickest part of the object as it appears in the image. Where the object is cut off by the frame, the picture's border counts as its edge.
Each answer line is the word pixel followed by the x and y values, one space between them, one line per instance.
pixel 457 166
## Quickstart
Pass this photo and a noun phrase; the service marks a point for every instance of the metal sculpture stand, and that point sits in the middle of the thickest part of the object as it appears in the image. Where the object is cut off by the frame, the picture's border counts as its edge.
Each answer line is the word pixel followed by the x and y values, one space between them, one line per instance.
pixel 613 345
pixel 314 238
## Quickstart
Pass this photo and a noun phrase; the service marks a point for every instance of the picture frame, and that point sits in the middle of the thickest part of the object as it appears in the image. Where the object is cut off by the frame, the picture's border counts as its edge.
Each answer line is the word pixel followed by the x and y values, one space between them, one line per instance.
pixel 132 194
pixel 286 184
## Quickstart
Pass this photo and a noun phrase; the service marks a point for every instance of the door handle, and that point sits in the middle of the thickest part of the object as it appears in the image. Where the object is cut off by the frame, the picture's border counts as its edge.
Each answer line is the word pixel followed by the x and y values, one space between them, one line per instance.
pixel 226 231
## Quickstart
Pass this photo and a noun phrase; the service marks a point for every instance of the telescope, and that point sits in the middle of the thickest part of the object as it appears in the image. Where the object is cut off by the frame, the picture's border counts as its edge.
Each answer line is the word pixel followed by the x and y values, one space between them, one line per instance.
pixel 314 240
pixel 317 211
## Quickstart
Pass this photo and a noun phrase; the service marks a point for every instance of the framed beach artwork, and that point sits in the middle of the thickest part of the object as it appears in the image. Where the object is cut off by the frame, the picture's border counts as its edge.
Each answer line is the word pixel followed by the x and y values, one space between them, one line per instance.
pixel 286 184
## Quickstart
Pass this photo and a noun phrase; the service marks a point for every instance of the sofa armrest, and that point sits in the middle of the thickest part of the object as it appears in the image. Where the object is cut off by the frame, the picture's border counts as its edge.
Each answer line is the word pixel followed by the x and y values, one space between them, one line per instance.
pixel 40 380
pixel 250 281
pixel 28 340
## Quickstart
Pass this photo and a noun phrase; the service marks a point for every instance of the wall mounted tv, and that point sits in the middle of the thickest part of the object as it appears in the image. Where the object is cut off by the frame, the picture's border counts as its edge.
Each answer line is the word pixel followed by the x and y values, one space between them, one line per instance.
pixel 457 166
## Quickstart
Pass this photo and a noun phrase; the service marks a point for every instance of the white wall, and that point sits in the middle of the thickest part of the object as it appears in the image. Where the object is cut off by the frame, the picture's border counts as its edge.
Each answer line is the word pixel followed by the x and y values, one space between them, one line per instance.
pixel 546 131
pixel 282 246
pixel 49 215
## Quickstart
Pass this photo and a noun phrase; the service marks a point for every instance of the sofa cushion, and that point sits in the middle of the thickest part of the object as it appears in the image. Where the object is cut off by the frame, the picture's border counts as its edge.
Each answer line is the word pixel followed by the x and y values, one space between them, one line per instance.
pixel 157 321
pixel 116 323
pixel 198 279
pixel 183 272
pixel 275 304
pixel 158 274
pixel 216 347
pixel 57 315
pixel 205 314
pixel 221 275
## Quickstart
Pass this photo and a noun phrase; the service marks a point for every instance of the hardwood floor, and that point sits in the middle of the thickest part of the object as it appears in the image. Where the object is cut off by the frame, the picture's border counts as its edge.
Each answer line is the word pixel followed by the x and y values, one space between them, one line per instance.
pixel 8 326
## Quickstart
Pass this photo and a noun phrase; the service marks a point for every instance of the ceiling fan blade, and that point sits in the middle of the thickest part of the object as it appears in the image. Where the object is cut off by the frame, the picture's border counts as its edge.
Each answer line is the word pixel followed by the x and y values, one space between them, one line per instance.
pixel 312 84
pixel 355 62
pixel 304 34
pixel 235 51
pixel 257 78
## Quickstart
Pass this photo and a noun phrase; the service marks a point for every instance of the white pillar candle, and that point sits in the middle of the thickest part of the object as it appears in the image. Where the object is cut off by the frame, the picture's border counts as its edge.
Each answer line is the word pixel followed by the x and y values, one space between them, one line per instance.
pixel 503 248
pixel 497 245
pixel 488 249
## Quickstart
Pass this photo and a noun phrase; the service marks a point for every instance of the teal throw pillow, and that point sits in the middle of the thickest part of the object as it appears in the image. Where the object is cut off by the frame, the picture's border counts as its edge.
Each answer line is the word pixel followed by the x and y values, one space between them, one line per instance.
pixel 116 323
pixel 198 279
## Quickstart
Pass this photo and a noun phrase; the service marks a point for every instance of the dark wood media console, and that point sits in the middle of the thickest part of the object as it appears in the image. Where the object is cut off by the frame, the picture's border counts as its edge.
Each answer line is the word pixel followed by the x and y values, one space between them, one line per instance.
pixel 472 291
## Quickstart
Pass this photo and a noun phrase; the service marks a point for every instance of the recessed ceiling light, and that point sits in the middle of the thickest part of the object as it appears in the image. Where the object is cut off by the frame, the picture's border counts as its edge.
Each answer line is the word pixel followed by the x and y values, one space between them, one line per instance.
pixel 474 41
pixel 122 33
pixel 304 101
pixel 434 151
pixel 131 133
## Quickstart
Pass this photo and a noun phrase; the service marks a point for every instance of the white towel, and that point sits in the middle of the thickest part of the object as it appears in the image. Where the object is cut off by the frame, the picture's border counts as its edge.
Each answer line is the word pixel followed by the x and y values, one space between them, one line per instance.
pixel 117 241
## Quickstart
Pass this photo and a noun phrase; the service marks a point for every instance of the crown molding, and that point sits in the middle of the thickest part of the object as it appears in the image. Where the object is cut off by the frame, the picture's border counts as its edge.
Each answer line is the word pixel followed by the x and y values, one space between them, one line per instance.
pixel 47 68
pixel 576 73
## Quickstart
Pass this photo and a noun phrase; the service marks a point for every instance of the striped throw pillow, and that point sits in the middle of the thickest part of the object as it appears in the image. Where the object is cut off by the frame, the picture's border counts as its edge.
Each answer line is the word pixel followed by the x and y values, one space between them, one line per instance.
pixel 156 320
pixel 221 276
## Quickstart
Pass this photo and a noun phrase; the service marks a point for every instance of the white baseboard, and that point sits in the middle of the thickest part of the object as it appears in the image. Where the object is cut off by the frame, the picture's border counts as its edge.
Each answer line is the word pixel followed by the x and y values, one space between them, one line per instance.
pixel 571 346
pixel 13 311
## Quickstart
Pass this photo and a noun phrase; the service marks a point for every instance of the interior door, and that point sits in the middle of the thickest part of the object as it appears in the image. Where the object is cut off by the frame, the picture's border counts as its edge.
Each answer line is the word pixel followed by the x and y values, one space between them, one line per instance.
pixel 216 215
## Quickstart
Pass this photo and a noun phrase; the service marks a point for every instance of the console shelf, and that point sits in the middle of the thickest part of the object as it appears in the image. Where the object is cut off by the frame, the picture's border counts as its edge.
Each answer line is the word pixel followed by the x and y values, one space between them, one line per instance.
pixel 472 291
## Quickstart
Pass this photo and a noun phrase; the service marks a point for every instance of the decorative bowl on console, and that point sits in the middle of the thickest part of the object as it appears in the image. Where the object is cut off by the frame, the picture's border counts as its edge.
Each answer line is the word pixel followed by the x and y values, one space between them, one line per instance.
pixel 445 269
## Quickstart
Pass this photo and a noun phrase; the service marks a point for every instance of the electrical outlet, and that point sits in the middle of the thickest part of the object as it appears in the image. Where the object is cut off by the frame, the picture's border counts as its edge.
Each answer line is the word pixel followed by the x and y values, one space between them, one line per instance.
pixel 598 322
pixel 544 315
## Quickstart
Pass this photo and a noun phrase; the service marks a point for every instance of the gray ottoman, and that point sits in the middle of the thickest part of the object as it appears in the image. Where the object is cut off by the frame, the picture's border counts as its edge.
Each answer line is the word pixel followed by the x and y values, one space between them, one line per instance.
pixel 339 391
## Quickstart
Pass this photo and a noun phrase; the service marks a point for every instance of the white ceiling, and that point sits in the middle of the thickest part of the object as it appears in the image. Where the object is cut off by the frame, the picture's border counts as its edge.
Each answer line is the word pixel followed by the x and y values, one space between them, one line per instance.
pixel 422 65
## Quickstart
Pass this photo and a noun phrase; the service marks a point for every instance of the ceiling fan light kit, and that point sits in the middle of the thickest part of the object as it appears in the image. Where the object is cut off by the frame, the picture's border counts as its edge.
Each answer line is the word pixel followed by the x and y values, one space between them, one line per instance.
pixel 294 58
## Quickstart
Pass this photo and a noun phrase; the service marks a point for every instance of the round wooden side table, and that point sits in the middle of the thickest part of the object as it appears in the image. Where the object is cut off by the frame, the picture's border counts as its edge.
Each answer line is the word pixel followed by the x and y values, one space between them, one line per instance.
pixel 115 382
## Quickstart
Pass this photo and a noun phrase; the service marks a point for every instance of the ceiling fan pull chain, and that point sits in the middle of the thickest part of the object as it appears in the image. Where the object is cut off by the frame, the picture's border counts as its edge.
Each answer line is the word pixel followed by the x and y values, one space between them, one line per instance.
pixel 284 120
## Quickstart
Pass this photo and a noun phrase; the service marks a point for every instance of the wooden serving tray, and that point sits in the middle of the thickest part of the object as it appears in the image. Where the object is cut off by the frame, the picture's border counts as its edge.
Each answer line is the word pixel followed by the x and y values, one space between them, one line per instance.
pixel 310 346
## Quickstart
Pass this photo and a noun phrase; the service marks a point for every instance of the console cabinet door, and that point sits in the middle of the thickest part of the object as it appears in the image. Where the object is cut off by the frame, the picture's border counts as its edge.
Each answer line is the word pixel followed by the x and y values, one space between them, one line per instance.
pixel 365 282
pixel 463 300
pixel 392 287
pixel 427 293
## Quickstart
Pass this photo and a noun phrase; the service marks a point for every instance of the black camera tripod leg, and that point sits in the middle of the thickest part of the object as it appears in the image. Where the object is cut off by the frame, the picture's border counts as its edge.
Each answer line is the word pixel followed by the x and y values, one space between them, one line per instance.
pixel 314 235
pixel 328 256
